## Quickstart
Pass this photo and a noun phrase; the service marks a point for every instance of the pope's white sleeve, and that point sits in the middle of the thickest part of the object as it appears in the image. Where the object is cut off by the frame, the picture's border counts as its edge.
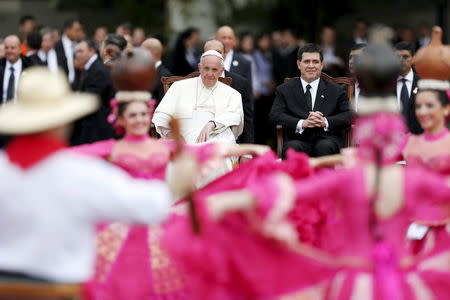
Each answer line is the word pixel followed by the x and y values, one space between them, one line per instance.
pixel 161 121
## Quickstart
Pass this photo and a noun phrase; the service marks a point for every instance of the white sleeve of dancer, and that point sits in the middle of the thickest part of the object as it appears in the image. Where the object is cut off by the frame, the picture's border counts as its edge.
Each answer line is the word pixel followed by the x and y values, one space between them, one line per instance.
pixel 113 195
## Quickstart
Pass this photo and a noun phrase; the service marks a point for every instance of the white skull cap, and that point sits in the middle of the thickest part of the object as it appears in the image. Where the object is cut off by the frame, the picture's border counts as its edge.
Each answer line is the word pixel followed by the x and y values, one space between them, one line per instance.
pixel 212 53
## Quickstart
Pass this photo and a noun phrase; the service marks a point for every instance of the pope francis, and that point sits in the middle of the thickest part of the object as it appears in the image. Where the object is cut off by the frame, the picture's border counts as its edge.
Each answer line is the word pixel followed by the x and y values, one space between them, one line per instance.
pixel 208 110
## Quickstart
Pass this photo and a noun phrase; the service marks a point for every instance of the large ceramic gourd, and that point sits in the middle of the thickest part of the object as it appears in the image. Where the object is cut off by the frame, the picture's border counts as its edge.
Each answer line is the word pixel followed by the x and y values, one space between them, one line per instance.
pixel 433 61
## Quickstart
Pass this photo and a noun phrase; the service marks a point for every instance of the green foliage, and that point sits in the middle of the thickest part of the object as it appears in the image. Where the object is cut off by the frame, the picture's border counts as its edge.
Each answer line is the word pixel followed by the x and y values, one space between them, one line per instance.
pixel 149 14
pixel 305 17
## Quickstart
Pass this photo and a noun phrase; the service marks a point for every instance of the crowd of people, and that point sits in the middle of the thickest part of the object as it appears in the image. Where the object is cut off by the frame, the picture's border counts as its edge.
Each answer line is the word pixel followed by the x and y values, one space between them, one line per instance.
pixel 139 190
pixel 264 60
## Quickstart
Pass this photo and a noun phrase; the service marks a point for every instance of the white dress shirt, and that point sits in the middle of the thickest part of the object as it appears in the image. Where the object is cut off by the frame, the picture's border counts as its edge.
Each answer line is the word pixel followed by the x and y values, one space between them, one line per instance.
pixel 357 92
pixel 17 71
pixel 359 40
pixel 409 80
pixel 69 50
pixel 90 62
pixel 50 58
pixel 48 213
pixel 313 90
pixel 228 60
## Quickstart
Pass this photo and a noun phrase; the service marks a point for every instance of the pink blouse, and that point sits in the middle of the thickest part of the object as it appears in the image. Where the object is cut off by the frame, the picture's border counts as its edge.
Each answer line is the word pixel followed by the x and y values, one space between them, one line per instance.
pixel 431 152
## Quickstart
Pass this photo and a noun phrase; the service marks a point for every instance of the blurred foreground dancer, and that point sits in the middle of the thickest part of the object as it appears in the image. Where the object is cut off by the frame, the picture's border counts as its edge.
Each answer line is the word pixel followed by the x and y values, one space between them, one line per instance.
pixel 52 199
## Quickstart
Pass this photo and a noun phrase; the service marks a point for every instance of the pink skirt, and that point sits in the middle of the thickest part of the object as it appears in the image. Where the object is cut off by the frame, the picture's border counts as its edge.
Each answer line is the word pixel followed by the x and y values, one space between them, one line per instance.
pixel 132 264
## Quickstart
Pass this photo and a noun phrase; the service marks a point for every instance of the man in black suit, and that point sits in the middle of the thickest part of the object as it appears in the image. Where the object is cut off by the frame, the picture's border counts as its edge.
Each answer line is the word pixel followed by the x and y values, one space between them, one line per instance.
pixel 65 48
pixel 407 86
pixel 9 80
pixel 11 67
pixel 241 85
pixel 34 41
pixel 112 48
pixel 94 78
pixel 234 62
pixel 155 47
pixel 353 56
pixel 284 57
pixel 314 113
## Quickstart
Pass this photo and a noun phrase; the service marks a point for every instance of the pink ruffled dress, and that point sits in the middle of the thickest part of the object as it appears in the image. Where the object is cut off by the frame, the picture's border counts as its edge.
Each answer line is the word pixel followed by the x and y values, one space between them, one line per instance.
pixel 362 253
pixel 131 263
pixel 370 250
pixel 372 269
pixel 296 165
pixel 231 259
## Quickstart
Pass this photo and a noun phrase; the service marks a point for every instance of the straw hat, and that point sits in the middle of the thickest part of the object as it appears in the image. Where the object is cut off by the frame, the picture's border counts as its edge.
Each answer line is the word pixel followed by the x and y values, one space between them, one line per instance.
pixel 44 101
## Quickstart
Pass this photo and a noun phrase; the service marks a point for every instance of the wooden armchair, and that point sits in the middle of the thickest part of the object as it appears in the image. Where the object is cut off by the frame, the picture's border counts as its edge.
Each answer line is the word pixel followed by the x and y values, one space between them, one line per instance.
pixel 167 81
pixel 30 290
pixel 350 82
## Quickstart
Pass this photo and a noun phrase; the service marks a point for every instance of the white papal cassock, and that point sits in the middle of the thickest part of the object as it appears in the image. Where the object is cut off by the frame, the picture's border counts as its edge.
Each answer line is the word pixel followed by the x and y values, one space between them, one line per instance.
pixel 195 105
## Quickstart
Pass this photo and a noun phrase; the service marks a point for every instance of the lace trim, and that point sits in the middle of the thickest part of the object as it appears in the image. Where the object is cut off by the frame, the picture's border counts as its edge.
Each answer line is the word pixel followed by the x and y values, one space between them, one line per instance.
pixel 370 105
pixel 127 96
pixel 433 84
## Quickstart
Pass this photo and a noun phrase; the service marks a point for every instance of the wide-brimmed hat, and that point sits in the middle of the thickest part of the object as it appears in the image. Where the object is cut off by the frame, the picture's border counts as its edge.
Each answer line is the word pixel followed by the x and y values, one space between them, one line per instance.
pixel 44 101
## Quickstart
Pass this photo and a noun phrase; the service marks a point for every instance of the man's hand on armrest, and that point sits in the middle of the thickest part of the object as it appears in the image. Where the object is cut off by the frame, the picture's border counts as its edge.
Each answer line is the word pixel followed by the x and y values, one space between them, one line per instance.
pixel 206 131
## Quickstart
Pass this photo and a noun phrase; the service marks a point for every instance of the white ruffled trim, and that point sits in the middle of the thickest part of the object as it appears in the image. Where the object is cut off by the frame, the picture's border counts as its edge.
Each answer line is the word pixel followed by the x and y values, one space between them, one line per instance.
pixel 370 105
pixel 127 96
pixel 433 84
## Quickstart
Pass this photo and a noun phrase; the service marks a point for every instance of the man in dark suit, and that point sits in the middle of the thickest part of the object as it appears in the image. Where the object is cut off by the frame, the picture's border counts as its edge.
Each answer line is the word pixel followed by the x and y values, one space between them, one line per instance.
pixel 94 78
pixel 34 41
pixel 314 113
pixel 112 48
pixel 284 57
pixel 241 85
pixel 155 47
pixel 65 48
pixel 353 56
pixel 9 80
pixel 11 67
pixel 407 86
pixel 234 62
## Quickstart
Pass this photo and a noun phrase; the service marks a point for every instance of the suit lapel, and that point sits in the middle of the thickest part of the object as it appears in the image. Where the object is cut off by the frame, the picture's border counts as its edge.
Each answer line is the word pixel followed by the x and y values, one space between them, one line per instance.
pixel 320 95
pixel 2 74
pixel 414 86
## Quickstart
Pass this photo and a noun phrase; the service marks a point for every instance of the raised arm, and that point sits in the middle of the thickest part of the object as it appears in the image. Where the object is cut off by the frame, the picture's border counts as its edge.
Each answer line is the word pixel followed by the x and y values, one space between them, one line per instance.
pixel 110 194
pixel 101 149
pixel 427 196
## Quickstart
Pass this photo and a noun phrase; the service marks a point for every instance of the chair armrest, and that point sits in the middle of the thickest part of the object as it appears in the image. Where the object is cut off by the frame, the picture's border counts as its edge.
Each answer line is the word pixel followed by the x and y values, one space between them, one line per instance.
pixel 280 136
pixel 28 290
pixel 349 137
